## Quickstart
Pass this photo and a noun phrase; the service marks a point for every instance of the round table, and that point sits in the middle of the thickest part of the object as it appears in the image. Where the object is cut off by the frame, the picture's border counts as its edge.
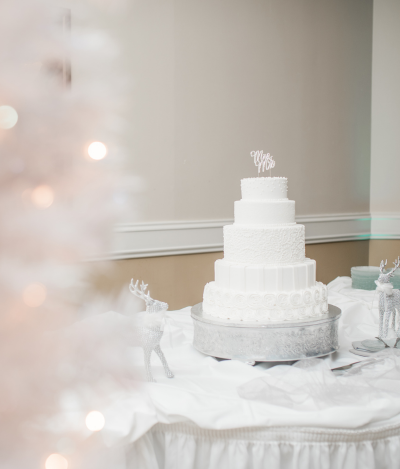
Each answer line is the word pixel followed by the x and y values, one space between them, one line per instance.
pixel 199 419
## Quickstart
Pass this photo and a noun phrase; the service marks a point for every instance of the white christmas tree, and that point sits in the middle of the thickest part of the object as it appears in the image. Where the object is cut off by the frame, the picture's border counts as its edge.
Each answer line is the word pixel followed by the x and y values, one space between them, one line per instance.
pixel 58 148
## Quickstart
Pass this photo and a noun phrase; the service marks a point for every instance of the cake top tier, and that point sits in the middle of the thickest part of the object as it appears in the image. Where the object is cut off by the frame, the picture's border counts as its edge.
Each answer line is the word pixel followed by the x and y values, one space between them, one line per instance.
pixel 264 188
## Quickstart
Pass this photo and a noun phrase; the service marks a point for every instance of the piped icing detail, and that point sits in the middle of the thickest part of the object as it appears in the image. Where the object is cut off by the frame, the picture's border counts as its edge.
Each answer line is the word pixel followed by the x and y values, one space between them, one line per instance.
pixel 265 307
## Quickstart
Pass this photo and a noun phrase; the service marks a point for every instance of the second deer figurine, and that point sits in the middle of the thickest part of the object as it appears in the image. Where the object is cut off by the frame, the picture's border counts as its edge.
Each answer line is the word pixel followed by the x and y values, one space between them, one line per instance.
pixel 152 328
pixel 389 301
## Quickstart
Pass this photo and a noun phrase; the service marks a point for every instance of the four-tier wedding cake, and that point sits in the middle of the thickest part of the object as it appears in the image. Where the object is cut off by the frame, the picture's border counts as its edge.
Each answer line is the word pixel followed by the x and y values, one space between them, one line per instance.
pixel 264 275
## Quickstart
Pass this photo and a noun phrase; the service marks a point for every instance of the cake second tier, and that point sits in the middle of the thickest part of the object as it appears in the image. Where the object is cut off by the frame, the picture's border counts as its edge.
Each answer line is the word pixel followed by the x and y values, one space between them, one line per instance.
pixel 264 212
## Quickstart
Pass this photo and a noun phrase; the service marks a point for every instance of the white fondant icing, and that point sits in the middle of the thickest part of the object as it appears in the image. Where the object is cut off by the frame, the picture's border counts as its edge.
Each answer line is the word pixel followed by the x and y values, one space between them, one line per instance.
pixel 267 278
pixel 264 212
pixel 274 244
pixel 263 306
pixel 264 188
pixel 264 275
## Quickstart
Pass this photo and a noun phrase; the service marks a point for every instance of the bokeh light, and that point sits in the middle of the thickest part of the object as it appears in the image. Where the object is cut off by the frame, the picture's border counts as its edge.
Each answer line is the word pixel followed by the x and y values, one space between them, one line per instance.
pixel 56 461
pixel 34 295
pixel 97 150
pixel 95 421
pixel 42 196
pixel 8 117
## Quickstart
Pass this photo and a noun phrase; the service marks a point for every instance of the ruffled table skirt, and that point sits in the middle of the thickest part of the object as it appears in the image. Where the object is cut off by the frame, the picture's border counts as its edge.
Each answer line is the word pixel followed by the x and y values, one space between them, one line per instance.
pixel 185 446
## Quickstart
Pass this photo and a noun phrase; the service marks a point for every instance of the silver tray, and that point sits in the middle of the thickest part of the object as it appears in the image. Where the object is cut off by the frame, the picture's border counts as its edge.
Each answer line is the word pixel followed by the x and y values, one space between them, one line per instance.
pixel 253 341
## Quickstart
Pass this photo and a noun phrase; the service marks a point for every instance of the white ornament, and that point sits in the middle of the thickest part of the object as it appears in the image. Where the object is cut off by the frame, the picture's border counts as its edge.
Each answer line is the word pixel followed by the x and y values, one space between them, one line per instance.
pixel 262 161
pixel 389 301
pixel 149 335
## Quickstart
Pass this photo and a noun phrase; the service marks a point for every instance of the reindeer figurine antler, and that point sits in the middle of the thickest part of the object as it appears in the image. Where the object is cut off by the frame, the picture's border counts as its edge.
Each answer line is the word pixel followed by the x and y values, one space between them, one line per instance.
pixel 389 300
pixel 385 277
pixel 396 266
pixel 134 288
pixel 150 334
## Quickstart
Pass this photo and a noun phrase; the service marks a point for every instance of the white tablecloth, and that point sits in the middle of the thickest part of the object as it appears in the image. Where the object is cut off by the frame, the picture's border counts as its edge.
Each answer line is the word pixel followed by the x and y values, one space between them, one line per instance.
pixel 198 420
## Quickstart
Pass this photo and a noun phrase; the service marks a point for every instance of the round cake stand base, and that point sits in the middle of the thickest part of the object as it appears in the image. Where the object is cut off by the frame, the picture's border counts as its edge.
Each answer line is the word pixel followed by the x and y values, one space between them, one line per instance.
pixel 258 342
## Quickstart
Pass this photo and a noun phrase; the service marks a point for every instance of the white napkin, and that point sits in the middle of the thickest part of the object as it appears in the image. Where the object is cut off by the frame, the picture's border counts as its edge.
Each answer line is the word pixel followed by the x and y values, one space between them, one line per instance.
pixel 311 385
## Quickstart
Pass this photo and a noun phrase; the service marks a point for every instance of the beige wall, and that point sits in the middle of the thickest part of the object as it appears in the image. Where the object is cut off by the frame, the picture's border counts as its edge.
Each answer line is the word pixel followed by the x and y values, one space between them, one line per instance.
pixel 382 249
pixel 385 131
pixel 212 80
pixel 336 259
pixel 180 280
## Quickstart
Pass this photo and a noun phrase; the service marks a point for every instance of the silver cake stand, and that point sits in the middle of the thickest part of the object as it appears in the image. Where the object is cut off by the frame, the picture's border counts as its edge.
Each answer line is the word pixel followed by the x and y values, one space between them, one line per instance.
pixel 257 342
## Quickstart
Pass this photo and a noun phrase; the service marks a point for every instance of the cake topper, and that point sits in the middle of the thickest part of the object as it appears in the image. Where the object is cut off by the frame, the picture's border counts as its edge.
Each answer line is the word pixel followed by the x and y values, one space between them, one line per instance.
pixel 263 161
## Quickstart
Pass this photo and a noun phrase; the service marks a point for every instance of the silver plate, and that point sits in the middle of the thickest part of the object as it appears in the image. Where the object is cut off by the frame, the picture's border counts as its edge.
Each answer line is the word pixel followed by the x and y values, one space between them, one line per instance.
pixel 253 341
pixel 369 347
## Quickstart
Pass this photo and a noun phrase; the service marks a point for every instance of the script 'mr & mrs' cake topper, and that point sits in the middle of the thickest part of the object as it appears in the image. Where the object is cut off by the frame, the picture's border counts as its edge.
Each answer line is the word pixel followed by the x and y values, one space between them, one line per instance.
pixel 264 162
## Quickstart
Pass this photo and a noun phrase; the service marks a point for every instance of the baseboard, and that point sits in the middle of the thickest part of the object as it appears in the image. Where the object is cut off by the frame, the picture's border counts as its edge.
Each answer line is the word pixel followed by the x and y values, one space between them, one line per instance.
pixel 190 237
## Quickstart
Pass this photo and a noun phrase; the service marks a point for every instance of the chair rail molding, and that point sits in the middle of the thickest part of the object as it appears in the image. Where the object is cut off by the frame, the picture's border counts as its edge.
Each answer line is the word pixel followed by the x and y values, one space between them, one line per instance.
pixel 385 226
pixel 134 240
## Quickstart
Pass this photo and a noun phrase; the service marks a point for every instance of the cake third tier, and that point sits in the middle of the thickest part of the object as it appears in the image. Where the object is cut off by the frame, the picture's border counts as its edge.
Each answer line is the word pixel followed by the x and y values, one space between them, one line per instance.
pixel 279 244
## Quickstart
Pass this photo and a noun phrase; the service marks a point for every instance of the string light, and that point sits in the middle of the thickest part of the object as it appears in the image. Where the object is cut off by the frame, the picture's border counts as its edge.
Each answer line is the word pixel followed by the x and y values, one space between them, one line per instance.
pixel 8 117
pixel 97 150
pixel 34 295
pixel 95 421
pixel 42 196
pixel 56 461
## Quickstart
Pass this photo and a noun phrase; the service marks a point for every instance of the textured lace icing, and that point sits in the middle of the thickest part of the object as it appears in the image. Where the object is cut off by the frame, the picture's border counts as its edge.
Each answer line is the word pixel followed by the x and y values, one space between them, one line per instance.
pixel 278 245
pixel 282 306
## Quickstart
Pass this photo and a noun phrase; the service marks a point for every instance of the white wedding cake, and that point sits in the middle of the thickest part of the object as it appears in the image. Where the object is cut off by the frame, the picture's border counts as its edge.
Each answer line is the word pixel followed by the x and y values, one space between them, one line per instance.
pixel 264 275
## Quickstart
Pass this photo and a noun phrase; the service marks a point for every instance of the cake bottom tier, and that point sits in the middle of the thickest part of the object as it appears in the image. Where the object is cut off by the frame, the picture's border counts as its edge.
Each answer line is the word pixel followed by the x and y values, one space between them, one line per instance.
pixel 265 307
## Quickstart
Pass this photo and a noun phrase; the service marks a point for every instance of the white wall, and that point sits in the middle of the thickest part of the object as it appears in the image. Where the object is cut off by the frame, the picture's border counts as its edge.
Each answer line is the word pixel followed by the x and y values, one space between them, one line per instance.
pixel 385 136
pixel 214 79
pixel 385 123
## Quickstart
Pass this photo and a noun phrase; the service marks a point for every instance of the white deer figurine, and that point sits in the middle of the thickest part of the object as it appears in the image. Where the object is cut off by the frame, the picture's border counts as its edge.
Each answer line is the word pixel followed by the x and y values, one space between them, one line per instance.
pixel 389 300
pixel 152 329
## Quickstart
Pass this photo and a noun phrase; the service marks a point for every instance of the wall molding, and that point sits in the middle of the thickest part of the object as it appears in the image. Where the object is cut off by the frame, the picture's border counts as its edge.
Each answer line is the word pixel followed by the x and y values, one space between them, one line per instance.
pixel 385 226
pixel 134 240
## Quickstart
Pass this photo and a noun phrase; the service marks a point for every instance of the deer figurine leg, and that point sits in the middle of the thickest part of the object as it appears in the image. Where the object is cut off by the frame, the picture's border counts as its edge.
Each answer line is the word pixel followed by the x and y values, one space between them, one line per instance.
pixel 387 315
pixel 159 352
pixel 147 353
pixel 393 326
pixel 396 312
pixel 381 316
